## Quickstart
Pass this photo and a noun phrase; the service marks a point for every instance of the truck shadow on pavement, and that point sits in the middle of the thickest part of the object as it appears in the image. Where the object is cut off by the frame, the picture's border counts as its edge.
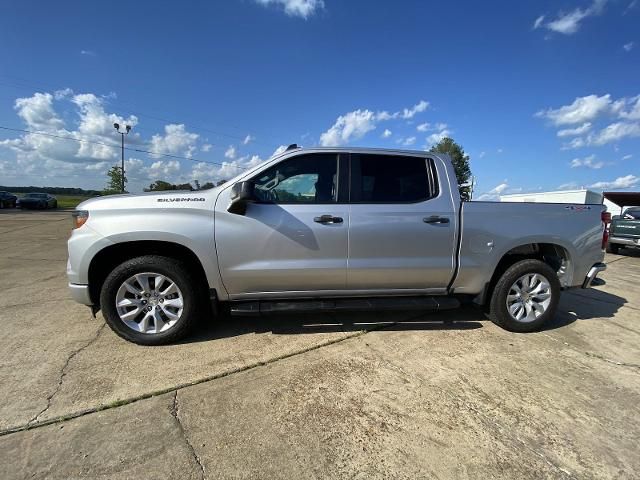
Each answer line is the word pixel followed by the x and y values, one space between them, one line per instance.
pixel 225 326
pixel 588 304
pixel 574 305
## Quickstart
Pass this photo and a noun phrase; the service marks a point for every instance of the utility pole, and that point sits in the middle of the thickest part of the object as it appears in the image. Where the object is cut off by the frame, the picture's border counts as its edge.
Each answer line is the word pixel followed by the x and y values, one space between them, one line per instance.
pixel 122 134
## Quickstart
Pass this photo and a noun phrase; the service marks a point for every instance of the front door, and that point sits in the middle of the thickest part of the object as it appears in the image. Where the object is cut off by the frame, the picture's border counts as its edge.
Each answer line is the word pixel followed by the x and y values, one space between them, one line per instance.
pixel 402 229
pixel 294 239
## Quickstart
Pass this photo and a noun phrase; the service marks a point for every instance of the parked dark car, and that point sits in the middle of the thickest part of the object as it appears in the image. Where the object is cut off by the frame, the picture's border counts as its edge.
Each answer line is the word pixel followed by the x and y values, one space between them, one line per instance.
pixel 7 200
pixel 38 200
pixel 624 230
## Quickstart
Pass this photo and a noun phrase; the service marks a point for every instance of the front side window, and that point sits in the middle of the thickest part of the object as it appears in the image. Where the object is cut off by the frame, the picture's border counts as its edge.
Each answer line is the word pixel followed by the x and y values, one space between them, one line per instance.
pixel 390 179
pixel 309 179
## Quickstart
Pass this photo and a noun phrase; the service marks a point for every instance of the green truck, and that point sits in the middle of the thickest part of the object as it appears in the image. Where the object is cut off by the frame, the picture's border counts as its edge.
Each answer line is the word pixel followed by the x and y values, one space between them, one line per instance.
pixel 624 230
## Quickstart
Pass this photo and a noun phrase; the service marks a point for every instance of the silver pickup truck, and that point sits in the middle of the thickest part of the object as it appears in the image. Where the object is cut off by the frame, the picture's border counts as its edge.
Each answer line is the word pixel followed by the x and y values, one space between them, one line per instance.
pixel 332 229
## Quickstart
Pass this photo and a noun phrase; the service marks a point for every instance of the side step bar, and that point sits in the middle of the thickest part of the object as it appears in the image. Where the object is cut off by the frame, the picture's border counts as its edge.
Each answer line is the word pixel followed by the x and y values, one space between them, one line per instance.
pixel 268 307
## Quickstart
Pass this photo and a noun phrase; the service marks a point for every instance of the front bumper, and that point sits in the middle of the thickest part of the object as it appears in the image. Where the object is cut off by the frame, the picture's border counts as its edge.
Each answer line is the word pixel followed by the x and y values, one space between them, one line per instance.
pixel 593 273
pixel 631 242
pixel 80 293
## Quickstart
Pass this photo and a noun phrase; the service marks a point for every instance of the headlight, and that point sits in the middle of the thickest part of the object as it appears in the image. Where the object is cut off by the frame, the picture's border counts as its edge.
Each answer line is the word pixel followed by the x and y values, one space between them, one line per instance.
pixel 79 217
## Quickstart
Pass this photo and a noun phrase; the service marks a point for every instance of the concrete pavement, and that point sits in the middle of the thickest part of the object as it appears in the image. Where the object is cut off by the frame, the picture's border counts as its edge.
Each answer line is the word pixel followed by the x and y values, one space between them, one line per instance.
pixel 349 396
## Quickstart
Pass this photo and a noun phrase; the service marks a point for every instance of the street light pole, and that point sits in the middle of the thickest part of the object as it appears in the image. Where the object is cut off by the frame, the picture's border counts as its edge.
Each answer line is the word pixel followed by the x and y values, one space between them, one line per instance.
pixel 122 134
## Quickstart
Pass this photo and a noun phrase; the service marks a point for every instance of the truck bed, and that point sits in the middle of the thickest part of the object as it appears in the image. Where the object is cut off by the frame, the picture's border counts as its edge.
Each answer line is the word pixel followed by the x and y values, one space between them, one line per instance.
pixel 489 230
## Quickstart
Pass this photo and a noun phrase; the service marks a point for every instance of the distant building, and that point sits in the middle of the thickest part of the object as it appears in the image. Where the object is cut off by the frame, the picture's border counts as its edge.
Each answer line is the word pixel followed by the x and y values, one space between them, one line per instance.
pixel 563 196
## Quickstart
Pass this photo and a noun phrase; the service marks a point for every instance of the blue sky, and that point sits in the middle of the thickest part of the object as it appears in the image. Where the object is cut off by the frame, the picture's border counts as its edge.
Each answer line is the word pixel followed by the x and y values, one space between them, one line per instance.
pixel 542 95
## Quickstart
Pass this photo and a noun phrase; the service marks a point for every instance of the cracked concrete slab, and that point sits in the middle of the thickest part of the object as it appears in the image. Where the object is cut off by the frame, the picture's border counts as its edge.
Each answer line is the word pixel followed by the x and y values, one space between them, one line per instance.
pixel 140 441
pixel 444 396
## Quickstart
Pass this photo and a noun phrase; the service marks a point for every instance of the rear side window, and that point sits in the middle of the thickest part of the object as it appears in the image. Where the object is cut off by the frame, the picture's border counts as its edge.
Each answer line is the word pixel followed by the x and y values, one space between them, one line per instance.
pixel 390 179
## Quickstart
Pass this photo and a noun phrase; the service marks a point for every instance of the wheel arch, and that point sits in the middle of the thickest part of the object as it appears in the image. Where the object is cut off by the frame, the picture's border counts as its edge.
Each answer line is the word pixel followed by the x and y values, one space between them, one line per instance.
pixel 553 254
pixel 105 260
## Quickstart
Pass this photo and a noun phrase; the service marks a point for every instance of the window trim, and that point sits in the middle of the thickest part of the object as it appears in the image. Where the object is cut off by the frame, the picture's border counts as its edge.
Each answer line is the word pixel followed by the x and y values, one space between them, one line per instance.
pixel 355 175
pixel 341 158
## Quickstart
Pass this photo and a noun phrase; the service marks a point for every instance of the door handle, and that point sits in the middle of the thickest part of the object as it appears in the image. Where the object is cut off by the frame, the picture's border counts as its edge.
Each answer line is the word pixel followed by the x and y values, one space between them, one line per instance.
pixel 435 219
pixel 327 219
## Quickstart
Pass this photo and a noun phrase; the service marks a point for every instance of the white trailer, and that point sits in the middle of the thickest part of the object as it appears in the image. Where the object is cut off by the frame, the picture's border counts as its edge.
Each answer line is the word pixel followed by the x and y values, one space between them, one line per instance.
pixel 583 196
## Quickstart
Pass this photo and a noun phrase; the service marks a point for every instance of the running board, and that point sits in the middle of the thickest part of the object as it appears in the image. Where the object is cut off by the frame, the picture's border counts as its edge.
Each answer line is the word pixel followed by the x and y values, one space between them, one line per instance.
pixel 268 307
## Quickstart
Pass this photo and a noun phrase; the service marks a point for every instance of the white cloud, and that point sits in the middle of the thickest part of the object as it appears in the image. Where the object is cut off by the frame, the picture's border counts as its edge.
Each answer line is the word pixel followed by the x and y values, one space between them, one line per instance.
pixel 206 147
pixel 423 127
pixel 296 8
pixel 614 132
pixel 409 141
pixel 627 157
pixel 627 181
pixel 96 124
pixel 577 142
pixel 356 124
pixel 572 132
pixel 494 193
pixel 419 107
pixel 569 23
pixel 279 150
pixel 175 141
pixel 588 162
pixel 89 53
pixel 163 169
pixel 386 134
pixel 581 110
pixel 353 125
pixel 442 131
pixel 247 139
pixel 230 152
pixel 628 46
pixel 481 154
pixel 634 104
pixel 38 113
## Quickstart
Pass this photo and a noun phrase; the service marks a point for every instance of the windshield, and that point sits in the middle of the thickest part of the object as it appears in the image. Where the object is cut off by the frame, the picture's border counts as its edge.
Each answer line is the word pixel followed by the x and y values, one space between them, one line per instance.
pixel 631 214
pixel 36 195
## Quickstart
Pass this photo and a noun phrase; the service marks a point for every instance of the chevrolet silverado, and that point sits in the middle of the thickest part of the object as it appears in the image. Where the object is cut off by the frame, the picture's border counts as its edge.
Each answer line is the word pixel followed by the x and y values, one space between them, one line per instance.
pixel 327 229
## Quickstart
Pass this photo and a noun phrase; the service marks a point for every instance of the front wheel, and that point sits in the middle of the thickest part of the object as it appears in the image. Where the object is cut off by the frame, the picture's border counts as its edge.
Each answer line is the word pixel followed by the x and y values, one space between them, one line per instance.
pixel 150 300
pixel 525 297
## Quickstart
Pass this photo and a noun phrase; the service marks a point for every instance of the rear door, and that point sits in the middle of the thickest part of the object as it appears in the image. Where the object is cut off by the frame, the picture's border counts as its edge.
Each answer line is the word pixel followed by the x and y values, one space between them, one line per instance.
pixel 402 227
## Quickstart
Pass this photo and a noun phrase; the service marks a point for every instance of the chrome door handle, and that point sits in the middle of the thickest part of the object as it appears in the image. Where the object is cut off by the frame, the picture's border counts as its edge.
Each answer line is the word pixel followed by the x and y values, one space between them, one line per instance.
pixel 327 219
pixel 435 219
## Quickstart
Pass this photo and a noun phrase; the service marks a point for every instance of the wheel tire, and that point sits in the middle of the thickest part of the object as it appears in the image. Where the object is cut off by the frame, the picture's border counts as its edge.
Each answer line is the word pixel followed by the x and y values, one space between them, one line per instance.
pixel 613 248
pixel 172 269
pixel 498 312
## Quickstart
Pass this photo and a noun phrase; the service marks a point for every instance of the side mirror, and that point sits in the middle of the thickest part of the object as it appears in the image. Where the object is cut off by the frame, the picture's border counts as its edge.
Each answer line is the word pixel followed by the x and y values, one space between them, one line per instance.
pixel 242 193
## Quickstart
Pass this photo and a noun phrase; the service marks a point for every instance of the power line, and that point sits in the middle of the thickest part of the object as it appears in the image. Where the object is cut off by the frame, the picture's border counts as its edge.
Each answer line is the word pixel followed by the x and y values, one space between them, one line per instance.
pixel 112 145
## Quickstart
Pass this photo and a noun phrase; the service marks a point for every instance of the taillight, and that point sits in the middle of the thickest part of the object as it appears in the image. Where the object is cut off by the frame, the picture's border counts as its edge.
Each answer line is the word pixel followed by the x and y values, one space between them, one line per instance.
pixel 606 220
pixel 79 218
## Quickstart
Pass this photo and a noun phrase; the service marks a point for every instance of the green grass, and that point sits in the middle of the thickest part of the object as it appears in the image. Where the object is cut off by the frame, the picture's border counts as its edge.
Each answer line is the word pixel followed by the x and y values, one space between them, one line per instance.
pixel 69 201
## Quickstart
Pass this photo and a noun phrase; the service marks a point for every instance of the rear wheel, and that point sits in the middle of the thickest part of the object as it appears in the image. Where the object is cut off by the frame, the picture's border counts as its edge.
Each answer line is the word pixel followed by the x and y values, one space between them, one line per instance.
pixel 150 300
pixel 525 297
pixel 613 248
